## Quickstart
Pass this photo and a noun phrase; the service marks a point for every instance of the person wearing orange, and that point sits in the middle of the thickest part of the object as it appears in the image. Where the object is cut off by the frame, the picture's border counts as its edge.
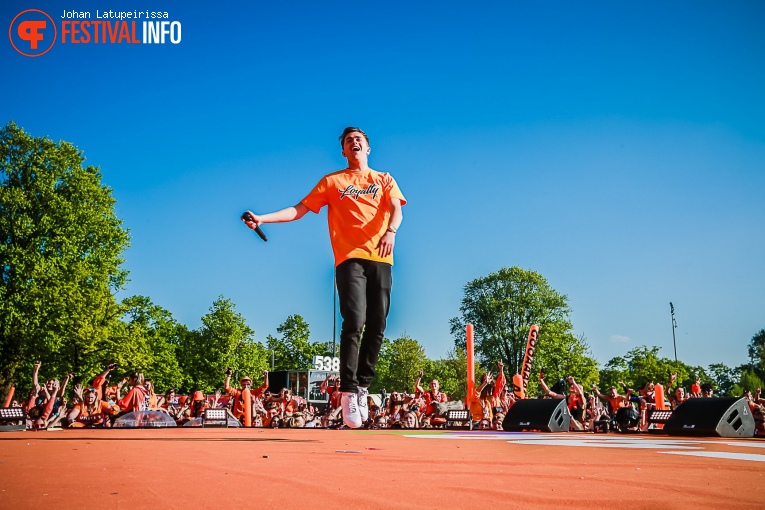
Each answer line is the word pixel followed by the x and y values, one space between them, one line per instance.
pixel 170 404
pixel 575 399
pixel 614 399
pixel 198 405
pixel 135 399
pixel 696 388
pixel 90 410
pixel 505 396
pixel 331 386
pixel 245 383
pixel 288 402
pixel 152 400
pixel 102 379
pixel 485 401
pixel 364 214
pixel 432 397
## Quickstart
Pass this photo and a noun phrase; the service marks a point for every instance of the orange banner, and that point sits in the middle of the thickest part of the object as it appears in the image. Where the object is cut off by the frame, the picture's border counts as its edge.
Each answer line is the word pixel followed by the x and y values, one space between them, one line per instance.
pixel 528 358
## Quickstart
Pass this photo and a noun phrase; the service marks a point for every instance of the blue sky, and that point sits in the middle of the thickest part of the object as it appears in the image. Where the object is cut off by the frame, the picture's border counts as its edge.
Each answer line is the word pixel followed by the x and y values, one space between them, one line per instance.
pixel 618 148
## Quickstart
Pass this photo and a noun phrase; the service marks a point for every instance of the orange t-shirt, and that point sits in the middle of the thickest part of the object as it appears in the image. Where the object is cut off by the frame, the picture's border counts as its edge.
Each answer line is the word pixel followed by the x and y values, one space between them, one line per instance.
pixel 431 400
pixel 290 407
pixel 618 402
pixel 358 211
pixel 334 396
pixel 85 418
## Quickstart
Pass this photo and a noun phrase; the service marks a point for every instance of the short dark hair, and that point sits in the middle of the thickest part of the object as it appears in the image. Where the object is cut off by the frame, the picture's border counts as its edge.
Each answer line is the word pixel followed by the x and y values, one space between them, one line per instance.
pixel 351 129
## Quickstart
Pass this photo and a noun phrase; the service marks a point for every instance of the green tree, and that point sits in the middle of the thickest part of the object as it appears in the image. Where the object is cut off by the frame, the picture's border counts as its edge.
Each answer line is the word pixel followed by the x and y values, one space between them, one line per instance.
pixel 207 352
pixel 757 354
pixel 251 359
pixel 643 364
pixel 61 247
pixel 749 381
pixel 294 350
pixel 502 307
pixel 723 378
pixel 568 355
pixel 451 373
pixel 398 365
pixel 146 339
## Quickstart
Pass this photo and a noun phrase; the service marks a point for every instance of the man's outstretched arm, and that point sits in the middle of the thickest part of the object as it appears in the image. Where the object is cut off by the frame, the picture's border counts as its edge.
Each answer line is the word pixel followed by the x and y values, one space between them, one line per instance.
pixel 282 216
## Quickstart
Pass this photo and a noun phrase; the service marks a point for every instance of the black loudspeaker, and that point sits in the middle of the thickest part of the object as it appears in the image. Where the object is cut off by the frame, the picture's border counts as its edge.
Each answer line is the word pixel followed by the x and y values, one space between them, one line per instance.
pixel 538 415
pixel 277 380
pixel 721 417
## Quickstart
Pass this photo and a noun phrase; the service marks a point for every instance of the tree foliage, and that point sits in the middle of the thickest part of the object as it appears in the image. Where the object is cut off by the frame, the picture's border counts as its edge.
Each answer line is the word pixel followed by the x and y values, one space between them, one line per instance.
pixel 748 381
pixel 502 307
pixel 561 355
pixel 294 350
pixel 451 373
pixel 723 378
pixel 643 364
pixel 209 350
pixel 61 247
pixel 400 361
pixel 146 339
pixel 756 350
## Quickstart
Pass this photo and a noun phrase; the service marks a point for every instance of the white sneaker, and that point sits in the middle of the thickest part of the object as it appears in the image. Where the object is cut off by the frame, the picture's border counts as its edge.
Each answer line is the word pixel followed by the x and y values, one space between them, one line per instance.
pixel 363 405
pixel 350 404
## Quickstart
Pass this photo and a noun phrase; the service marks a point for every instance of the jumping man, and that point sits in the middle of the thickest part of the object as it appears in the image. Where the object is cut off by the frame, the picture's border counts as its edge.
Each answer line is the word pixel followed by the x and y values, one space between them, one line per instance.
pixel 364 213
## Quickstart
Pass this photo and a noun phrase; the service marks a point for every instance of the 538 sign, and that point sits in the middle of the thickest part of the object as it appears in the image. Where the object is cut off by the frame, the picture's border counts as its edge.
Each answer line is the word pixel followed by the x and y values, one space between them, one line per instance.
pixel 326 363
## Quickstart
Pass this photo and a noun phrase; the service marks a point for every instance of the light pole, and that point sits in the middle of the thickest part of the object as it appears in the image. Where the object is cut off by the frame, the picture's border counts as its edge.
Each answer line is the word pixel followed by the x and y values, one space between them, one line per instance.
pixel 239 347
pixel 674 326
pixel 334 315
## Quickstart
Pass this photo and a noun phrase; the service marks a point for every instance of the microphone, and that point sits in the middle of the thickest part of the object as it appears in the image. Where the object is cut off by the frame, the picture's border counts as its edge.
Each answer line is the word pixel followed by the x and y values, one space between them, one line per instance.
pixel 248 217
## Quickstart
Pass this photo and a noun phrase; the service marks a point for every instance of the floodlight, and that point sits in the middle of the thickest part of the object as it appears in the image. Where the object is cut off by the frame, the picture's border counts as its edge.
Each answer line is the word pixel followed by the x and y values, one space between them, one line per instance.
pixel 12 419
pixel 459 420
pixel 215 418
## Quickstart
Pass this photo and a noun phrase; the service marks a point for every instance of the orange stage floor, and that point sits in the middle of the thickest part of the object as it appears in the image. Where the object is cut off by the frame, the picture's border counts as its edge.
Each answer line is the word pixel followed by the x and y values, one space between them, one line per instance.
pixel 304 468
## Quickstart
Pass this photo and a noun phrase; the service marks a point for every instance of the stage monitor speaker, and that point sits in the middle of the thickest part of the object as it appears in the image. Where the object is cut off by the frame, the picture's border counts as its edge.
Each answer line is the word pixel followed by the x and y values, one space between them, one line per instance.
pixel 721 417
pixel 539 415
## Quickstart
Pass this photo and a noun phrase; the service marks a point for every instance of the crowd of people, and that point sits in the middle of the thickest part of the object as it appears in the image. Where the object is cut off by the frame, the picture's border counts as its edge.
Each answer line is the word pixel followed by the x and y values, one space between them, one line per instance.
pixel 631 410
pixel 101 403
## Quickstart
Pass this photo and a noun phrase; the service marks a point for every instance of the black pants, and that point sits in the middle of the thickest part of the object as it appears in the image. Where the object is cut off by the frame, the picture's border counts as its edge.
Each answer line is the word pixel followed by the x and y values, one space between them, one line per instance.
pixel 363 288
